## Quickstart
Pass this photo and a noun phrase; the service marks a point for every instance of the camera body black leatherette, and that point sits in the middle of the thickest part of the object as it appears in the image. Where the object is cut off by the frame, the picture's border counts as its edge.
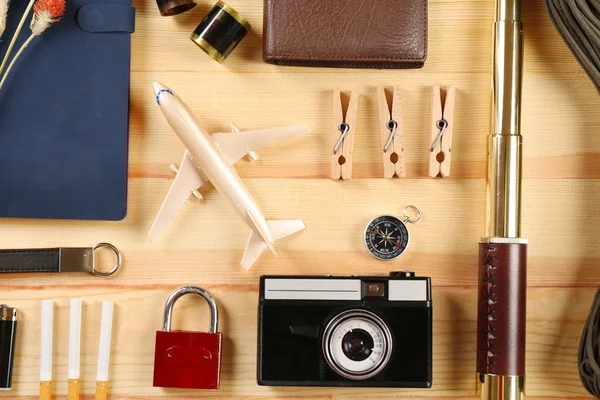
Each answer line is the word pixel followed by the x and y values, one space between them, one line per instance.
pixel 295 332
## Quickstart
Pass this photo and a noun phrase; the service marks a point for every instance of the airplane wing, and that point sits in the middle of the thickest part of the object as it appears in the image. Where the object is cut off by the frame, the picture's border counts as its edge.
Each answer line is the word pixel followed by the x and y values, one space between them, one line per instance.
pixel 188 179
pixel 238 144
pixel 256 245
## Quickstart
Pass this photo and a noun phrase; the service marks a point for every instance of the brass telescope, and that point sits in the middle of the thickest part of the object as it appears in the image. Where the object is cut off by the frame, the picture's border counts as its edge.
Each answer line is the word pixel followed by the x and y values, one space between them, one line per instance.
pixel 502 252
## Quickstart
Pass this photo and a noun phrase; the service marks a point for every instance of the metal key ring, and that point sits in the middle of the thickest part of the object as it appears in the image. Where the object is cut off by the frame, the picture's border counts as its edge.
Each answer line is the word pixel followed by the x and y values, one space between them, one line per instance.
pixel 407 218
pixel 117 265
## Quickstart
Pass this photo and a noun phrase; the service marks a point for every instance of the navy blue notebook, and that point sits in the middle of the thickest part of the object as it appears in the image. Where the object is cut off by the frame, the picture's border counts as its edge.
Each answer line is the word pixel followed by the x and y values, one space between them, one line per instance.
pixel 64 115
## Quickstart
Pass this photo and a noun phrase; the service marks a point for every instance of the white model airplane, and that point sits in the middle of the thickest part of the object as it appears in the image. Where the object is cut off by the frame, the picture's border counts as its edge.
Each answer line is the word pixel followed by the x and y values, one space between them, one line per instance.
pixel 211 158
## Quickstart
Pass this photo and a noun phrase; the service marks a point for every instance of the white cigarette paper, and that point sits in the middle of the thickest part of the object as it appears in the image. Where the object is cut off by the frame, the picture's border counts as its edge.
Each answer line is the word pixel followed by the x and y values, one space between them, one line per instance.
pixel 105 338
pixel 47 333
pixel 75 339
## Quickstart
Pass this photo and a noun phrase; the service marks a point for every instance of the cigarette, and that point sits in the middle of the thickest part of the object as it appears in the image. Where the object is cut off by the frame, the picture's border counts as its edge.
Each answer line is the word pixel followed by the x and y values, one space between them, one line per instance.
pixel 74 350
pixel 47 331
pixel 104 350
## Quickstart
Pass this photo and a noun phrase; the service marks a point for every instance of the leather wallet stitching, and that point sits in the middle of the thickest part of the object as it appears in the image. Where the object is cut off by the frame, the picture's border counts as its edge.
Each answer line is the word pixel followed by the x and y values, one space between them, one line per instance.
pixel 46 251
pixel 29 269
pixel 25 251
pixel 490 299
pixel 293 57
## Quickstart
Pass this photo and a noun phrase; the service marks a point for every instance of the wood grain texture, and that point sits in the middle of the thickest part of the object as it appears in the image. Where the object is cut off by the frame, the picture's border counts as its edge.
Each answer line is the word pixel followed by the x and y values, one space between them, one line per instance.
pixel 555 318
pixel 205 243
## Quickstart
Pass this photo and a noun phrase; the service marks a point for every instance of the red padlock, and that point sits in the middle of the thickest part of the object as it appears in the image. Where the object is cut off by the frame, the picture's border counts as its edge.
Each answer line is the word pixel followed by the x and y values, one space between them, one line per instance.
pixel 188 360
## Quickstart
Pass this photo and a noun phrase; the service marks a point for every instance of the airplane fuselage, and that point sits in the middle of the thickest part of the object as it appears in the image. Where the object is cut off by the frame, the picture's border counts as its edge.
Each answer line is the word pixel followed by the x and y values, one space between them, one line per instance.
pixel 213 163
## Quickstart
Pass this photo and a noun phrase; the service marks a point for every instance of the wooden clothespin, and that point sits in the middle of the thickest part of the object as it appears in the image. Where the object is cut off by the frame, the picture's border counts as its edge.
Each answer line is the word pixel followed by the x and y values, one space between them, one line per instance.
pixel 390 127
pixel 344 128
pixel 440 138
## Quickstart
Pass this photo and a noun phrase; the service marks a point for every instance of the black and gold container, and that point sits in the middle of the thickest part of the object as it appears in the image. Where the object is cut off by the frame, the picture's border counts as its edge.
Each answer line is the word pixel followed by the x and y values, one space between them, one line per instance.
pixel 173 7
pixel 220 31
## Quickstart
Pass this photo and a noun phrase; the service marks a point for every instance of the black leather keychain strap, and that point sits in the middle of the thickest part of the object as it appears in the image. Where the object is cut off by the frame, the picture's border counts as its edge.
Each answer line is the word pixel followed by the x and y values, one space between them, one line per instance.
pixel 68 259
pixel 63 259
pixel 30 260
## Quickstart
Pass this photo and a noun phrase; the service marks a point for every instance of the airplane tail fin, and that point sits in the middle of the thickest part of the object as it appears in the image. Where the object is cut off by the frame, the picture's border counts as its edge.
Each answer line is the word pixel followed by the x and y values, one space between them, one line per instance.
pixel 256 245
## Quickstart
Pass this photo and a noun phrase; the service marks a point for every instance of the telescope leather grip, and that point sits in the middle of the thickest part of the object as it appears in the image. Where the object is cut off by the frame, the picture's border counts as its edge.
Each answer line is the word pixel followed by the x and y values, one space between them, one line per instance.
pixel 501 308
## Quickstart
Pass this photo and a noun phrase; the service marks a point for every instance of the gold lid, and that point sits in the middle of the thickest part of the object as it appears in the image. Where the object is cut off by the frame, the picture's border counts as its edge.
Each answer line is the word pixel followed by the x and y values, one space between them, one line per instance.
pixel 174 7
pixel 207 47
pixel 7 313
pixel 236 15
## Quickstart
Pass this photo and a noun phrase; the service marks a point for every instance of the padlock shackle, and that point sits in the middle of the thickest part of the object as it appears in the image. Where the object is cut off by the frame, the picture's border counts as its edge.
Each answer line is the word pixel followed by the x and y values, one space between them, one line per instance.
pixel 182 291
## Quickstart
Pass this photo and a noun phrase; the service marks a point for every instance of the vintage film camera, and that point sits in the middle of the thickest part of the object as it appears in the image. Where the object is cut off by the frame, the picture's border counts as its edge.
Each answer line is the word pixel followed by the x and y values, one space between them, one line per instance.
pixel 345 331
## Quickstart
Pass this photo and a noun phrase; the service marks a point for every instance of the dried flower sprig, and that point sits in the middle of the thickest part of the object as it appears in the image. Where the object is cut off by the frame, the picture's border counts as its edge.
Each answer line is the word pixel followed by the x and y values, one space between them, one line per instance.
pixel 16 35
pixel 45 13
pixel 4 4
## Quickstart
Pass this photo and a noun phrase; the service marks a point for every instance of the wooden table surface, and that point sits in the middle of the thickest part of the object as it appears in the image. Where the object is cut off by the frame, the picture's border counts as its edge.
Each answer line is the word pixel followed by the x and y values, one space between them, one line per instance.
pixel 205 242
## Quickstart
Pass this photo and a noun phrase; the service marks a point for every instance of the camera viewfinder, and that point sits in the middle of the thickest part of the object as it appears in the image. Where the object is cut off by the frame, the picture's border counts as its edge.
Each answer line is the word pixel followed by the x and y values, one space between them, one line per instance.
pixel 374 289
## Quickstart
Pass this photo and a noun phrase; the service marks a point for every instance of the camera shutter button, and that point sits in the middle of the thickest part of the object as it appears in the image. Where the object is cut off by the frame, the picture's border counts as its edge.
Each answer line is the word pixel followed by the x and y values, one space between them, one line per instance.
pixel 403 274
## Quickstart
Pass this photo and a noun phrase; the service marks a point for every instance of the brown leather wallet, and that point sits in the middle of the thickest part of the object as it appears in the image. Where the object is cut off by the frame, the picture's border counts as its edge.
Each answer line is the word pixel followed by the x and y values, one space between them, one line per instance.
pixel 346 33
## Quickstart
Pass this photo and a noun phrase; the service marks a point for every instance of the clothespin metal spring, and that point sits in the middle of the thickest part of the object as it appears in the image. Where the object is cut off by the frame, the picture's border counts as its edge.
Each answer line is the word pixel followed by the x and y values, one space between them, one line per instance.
pixel 343 128
pixel 392 126
pixel 442 124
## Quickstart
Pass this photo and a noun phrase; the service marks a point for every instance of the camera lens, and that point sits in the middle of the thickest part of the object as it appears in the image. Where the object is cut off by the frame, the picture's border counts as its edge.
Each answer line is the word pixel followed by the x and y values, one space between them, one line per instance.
pixel 357 345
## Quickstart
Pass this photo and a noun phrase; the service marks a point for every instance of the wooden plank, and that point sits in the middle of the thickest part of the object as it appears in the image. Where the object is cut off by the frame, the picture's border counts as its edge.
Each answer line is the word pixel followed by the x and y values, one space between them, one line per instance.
pixel 555 316
pixel 561 133
pixel 206 241
pixel 163 43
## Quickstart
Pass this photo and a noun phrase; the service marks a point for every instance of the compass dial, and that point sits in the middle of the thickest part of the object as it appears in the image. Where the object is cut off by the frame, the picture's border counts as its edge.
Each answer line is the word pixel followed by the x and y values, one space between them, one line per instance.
pixel 386 237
